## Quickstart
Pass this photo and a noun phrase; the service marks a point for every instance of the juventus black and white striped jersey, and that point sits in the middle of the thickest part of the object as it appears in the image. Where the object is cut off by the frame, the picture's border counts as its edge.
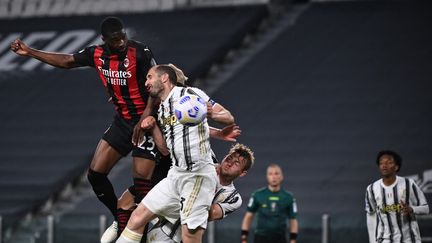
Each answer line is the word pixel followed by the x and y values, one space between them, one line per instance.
pixel 228 198
pixel 386 223
pixel 189 145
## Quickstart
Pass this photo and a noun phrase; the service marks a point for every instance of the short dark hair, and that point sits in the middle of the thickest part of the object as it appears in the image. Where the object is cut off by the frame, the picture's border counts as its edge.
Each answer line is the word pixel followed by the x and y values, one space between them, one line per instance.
pixel 111 25
pixel 397 158
pixel 163 68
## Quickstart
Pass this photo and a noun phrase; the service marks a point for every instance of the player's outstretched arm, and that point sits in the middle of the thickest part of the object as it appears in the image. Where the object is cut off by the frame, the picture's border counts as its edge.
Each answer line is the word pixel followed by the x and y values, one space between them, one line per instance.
pixel 228 133
pixel 55 59
pixel 219 114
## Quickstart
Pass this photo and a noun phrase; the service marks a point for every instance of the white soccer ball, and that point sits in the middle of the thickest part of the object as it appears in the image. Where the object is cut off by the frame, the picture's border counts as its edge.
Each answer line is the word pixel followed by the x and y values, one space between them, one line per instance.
pixel 190 110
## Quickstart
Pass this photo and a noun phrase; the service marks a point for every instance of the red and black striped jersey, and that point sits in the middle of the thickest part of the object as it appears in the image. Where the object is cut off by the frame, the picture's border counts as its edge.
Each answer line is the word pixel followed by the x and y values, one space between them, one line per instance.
pixel 123 75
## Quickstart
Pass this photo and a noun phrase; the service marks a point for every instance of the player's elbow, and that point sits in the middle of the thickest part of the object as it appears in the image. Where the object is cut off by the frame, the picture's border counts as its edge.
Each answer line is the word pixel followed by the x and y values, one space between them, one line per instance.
pixel 231 119
pixel 68 62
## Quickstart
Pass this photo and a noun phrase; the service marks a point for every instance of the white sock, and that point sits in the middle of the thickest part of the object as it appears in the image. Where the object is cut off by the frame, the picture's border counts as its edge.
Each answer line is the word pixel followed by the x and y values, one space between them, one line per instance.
pixel 128 236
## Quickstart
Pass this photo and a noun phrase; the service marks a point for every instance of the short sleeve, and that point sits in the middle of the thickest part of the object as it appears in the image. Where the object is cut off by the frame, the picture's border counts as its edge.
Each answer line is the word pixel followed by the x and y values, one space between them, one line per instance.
pixel 253 204
pixel 85 57
pixel 201 94
pixel 292 209
pixel 231 205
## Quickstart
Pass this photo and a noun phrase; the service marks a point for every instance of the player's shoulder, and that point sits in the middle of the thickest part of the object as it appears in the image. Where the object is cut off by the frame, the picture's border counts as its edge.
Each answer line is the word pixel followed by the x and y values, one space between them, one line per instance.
pixel 402 180
pixel 91 48
pixel 198 92
pixel 373 184
pixel 260 191
pixel 286 193
pixel 193 90
pixel 138 45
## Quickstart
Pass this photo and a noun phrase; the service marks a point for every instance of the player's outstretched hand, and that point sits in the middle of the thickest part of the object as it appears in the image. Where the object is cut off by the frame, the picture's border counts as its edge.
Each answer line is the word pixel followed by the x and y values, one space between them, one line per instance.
pixel 231 132
pixel 19 47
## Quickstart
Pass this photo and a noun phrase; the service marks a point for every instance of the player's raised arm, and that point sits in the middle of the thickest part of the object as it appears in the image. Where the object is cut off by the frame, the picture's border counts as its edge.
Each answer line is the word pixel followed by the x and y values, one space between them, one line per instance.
pixel 228 133
pixel 55 59
pixel 218 113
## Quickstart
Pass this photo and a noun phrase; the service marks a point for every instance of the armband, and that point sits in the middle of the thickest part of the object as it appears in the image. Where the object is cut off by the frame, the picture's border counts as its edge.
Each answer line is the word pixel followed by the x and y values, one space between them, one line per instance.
pixel 293 236
pixel 244 233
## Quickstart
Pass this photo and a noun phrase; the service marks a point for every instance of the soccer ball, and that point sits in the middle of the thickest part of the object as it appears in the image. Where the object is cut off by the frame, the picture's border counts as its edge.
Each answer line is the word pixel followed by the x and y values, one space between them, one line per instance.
pixel 190 110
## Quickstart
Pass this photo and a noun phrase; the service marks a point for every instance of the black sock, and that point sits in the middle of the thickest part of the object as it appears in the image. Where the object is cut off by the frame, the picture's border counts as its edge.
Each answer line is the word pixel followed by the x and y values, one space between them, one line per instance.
pixel 142 187
pixel 103 190
pixel 122 217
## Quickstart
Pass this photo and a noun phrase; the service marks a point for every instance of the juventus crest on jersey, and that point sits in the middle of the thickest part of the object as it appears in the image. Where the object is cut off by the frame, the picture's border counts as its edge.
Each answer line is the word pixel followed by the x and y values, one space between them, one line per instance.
pixel 383 205
pixel 189 145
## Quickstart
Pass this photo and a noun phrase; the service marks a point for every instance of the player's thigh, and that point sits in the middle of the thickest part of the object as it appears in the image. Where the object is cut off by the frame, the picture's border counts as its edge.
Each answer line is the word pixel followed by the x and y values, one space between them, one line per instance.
pixel 145 156
pixel 163 200
pixel 194 235
pixel 115 143
pixel 197 193
pixel 104 158
pixel 143 168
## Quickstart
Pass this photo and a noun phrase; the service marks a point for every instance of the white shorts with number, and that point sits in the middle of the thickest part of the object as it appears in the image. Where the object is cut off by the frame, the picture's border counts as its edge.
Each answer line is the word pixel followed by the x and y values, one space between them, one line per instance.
pixel 190 193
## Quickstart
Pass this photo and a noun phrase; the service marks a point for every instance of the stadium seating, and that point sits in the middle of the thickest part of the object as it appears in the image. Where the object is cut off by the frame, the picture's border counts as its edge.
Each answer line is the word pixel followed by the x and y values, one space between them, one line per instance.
pixel 347 80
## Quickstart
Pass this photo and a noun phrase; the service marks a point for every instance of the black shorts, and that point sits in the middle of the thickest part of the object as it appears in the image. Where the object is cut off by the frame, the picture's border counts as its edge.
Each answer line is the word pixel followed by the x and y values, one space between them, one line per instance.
pixel 119 136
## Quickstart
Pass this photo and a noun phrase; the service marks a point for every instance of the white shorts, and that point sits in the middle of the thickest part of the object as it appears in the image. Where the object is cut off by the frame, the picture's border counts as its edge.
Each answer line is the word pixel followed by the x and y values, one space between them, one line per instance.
pixel 184 194
pixel 161 231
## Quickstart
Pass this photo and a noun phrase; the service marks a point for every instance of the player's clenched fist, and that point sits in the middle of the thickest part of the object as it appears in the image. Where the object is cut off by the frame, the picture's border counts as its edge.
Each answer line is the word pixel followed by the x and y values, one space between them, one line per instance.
pixel 19 47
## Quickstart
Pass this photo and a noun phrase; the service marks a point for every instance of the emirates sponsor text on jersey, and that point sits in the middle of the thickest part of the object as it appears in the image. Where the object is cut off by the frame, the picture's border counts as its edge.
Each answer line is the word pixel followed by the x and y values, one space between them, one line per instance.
pixel 115 77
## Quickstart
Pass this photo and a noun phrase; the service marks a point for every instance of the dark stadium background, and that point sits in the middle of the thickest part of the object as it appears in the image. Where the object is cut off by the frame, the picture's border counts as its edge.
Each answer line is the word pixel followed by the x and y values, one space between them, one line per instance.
pixel 318 87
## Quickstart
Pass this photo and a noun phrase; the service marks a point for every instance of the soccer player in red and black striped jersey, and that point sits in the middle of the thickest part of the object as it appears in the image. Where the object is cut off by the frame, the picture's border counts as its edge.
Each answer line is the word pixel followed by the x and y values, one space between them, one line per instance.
pixel 122 66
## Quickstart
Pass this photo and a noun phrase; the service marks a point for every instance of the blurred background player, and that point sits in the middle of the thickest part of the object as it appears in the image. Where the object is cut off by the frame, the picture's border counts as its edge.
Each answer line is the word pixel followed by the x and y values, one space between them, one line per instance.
pixel 122 66
pixel 273 206
pixel 192 179
pixel 392 203
pixel 227 199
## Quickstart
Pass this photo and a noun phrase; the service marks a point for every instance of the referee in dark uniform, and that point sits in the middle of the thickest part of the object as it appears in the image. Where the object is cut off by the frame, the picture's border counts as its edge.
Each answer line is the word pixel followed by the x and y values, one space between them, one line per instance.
pixel 273 206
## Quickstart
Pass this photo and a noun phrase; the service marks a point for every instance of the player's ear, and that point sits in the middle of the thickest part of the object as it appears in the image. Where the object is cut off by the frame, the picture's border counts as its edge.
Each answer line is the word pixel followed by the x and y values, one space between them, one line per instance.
pixel 165 77
pixel 243 173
